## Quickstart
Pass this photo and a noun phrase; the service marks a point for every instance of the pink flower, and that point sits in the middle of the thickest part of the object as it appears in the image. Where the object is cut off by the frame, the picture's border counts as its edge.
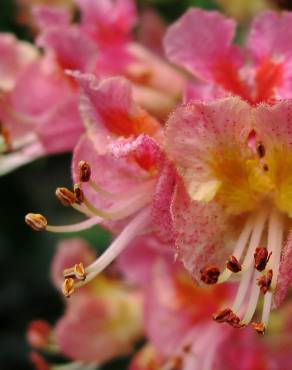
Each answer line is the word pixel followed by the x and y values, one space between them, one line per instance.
pixel 232 209
pixel 122 179
pixel 201 42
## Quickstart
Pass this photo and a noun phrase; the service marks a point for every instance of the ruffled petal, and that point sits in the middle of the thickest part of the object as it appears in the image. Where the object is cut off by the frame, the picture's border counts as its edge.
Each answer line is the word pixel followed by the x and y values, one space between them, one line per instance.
pixel 72 49
pixel 203 232
pixel 109 109
pixel 271 36
pixel 200 40
pixel 198 133
pixel 99 327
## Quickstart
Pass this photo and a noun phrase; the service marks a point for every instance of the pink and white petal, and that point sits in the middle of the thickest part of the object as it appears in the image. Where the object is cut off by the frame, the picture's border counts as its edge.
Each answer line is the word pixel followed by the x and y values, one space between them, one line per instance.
pixel 271 36
pixel 15 57
pixel 113 175
pixel 109 109
pixel 143 149
pixel 51 16
pixel 197 130
pixel 273 124
pixel 70 252
pixel 162 201
pixel 203 233
pixel 72 49
pixel 61 129
pixel 285 274
pixel 199 40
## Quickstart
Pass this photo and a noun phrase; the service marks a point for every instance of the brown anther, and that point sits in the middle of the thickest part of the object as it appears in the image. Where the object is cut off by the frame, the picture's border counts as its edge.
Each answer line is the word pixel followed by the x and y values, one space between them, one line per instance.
pixel 65 196
pixel 79 271
pixel 232 264
pixel 234 321
pixel 223 315
pixel 79 195
pixel 36 221
pixel 264 282
pixel 84 171
pixel 259 327
pixel 261 150
pixel 210 274
pixel 261 258
pixel 68 287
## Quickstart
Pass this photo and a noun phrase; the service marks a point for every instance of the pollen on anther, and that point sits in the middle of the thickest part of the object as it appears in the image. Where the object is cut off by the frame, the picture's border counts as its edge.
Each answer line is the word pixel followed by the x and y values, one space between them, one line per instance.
pixel 68 287
pixel 261 258
pixel 264 282
pixel 65 196
pixel 259 327
pixel 36 221
pixel 210 274
pixel 84 171
pixel 232 264
pixel 79 195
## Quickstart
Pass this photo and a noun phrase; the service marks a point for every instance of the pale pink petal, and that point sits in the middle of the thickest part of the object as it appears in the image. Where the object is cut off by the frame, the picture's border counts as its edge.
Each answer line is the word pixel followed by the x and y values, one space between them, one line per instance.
pixel 109 109
pixel 203 232
pixel 72 49
pixel 51 16
pixel 144 150
pixel 273 124
pixel 271 36
pixel 61 129
pixel 138 259
pixel 200 40
pixel 113 175
pixel 100 327
pixel 195 130
pixel 161 204
pixel 69 253
pixel 15 57
pixel 285 273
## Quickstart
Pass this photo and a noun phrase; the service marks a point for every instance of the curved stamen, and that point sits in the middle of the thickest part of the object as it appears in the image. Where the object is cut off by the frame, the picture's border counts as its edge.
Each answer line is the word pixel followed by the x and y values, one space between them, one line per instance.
pixel 133 229
pixel 253 300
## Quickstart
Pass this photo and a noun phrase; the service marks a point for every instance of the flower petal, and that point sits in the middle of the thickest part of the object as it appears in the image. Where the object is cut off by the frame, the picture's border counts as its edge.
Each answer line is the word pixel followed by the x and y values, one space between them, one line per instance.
pixel 271 36
pixel 199 40
pixel 197 132
pixel 285 273
pixel 203 232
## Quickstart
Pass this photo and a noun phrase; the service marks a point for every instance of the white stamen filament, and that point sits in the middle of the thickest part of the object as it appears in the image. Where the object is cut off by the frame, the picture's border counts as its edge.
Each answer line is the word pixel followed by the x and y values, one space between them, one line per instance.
pixel 275 239
pixel 84 225
pixel 247 264
pixel 133 229
pixel 239 248
pixel 253 300
pixel 125 209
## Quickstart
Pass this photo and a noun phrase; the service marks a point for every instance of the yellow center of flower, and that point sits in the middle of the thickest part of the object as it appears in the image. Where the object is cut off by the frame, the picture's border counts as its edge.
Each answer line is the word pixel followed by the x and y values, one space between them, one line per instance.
pixel 243 184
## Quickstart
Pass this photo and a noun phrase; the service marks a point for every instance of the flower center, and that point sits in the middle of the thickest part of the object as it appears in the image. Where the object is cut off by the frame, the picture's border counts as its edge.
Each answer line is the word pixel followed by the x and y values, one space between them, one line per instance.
pixel 259 268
